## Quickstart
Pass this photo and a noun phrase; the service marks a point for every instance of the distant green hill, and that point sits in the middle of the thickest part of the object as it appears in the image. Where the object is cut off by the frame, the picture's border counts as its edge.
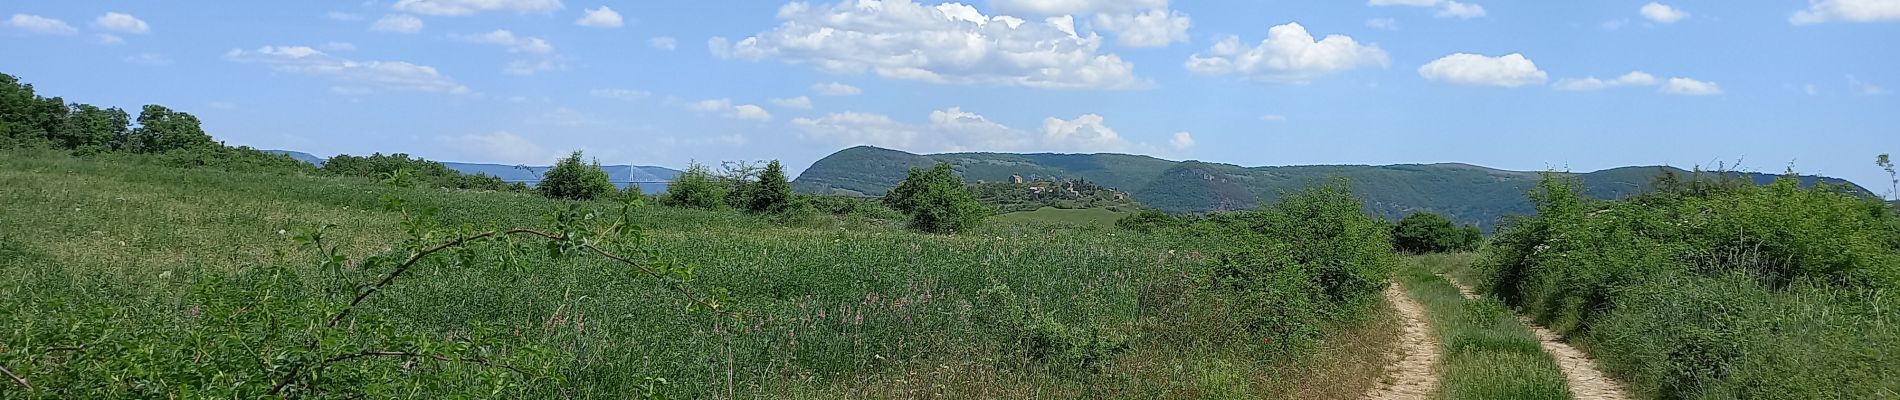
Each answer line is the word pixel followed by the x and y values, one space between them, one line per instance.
pixel 1466 193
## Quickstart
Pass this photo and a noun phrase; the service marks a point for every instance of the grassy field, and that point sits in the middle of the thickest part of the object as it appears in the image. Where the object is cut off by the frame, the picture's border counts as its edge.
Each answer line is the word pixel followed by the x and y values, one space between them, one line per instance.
pixel 1488 353
pixel 128 280
pixel 1086 217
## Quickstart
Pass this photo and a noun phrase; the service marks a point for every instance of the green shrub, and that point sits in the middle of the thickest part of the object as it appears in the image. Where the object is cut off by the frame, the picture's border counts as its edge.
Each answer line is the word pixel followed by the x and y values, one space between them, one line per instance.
pixel 772 193
pixel 695 188
pixel 1714 289
pixel 573 179
pixel 937 201
pixel 1424 232
pixel 1149 220
pixel 1312 259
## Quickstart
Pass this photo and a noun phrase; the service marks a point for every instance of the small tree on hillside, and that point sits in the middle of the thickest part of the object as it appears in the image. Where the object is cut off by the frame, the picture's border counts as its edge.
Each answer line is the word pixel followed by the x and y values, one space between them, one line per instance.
pixel 772 193
pixel 573 179
pixel 937 201
pixel 695 188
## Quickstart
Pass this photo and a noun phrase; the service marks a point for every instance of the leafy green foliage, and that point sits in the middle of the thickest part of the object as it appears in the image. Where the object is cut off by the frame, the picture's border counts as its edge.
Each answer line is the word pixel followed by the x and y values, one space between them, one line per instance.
pixel 1714 288
pixel 1009 196
pixel 409 171
pixel 1425 232
pixel 937 201
pixel 772 193
pixel 695 188
pixel 1149 220
pixel 162 129
pixel 573 179
pixel 1311 259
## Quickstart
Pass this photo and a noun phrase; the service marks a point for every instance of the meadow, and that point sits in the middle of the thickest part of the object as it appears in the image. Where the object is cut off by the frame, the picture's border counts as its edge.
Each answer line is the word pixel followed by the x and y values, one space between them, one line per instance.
pixel 132 279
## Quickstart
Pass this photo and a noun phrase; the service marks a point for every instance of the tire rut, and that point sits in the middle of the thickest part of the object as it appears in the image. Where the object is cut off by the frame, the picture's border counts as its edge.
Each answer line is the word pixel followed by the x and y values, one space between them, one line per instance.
pixel 1586 381
pixel 1412 372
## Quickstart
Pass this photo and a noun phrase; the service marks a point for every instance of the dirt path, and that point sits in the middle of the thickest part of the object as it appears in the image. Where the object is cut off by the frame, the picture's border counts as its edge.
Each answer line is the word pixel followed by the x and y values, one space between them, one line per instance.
pixel 1586 381
pixel 1413 371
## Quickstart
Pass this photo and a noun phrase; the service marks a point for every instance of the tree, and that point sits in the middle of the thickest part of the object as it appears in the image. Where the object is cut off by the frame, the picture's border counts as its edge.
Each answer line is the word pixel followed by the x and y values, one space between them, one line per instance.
pixel 937 201
pixel 1886 162
pixel 573 179
pixel 695 188
pixel 1425 232
pixel 772 193
pixel 161 130
pixel 90 129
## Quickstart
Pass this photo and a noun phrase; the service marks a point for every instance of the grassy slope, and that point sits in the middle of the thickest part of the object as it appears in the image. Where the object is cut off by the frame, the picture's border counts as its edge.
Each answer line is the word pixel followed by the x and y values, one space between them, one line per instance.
pixel 1488 353
pixel 95 246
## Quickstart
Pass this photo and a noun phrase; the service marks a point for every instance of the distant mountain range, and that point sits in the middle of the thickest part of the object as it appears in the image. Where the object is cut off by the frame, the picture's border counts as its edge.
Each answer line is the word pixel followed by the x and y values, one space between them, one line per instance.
pixel 651 179
pixel 1466 193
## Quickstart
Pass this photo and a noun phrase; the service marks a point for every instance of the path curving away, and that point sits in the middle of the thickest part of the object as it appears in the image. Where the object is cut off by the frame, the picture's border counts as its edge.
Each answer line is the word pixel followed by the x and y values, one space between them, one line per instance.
pixel 1586 381
pixel 1412 372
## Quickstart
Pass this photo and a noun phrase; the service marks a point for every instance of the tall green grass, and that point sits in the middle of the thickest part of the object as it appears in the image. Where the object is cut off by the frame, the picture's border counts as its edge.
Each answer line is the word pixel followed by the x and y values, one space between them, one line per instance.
pixel 1488 353
pixel 128 280
pixel 1715 290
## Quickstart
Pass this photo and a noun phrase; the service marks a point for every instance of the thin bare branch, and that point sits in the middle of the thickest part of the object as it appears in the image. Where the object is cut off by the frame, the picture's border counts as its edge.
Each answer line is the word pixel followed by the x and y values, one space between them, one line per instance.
pixel 16 378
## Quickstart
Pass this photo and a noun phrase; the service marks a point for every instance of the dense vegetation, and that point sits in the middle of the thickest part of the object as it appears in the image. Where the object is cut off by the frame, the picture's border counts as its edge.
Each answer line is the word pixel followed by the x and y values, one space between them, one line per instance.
pixel 1712 287
pixel 574 179
pixel 937 201
pixel 1466 194
pixel 402 169
pixel 1010 196
pixel 1425 232
pixel 162 136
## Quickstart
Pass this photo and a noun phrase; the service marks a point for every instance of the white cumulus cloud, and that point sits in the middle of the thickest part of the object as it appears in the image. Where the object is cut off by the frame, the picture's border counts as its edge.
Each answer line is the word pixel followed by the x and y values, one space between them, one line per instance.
pixel 1084 133
pixel 954 129
pixel 1073 7
pixel 351 76
pixel 515 44
pixel 1634 78
pixel 1662 13
pixel 664 43
pixel 1289 54
pixel 470 7
pixel 1446 8
pixel 725 108
pixel 616 93
pixel 1181 141
pixel 835 89
pixel 499 146
pixel 1153 28
pixel 41 25
pixel 948 43
pixel 1512 70
pixel 121 22
pixel 1820 11
pixel 1690 87
pixel 800 102
pixel 602 17
pixel 399 23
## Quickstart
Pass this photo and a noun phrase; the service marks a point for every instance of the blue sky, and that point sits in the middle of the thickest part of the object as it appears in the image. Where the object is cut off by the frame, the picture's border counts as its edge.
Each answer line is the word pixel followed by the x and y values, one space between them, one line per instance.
pixel 1518 85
